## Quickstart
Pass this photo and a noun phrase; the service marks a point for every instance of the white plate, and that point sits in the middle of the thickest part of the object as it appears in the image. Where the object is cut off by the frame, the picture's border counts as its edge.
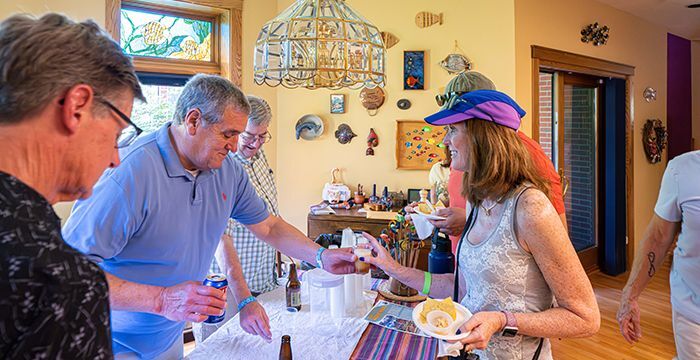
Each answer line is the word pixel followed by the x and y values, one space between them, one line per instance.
pixel 429 216
pixel 462 313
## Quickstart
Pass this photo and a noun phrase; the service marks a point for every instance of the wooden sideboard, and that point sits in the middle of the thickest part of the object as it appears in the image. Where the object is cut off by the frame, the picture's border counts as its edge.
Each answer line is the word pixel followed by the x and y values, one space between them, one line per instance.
pixel 330 224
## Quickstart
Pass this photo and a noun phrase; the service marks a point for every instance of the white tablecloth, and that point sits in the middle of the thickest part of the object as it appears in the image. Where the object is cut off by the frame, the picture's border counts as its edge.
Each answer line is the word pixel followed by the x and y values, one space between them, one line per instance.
pixel 313 336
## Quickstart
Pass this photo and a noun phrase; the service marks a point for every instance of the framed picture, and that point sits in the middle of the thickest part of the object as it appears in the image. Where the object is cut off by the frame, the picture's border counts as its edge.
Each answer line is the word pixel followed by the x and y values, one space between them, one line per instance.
pixel 414 70
pixel 337 103
pixel 418 145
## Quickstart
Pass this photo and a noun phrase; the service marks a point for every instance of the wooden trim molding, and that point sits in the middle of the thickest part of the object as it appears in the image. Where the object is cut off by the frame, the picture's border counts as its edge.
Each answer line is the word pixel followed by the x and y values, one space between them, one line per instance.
pixel 228 29
pixel 566 61
pixel 535 95
pixel 113 17
pixel 552 59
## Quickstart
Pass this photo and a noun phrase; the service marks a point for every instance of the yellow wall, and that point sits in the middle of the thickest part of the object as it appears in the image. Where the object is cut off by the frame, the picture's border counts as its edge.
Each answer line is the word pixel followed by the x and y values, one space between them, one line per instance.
pixel 255 14
pixel 304 166
pixel 495 34
pixel 556 24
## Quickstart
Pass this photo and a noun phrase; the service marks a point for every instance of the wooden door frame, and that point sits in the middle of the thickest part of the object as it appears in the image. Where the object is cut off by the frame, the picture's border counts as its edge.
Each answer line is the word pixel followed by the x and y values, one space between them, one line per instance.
pixel 590 257
pixel 551 59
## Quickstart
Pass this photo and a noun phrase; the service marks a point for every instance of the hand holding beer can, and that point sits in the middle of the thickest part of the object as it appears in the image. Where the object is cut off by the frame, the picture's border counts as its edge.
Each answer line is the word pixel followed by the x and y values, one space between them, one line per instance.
pixel 217 281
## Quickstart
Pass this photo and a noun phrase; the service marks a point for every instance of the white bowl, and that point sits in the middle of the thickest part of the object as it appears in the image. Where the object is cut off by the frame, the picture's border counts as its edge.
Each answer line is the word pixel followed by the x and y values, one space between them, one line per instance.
pixel 462 315
pixel 434 317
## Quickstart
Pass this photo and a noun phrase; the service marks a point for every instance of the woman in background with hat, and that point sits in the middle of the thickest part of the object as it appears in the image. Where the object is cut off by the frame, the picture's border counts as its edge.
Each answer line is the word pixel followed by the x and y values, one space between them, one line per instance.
pixel 514 257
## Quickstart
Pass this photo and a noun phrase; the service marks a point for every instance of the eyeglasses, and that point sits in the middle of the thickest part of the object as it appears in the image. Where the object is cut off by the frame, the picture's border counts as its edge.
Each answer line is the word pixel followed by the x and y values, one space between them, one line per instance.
pixel 128 135
pixel 442 99
pixel 251 139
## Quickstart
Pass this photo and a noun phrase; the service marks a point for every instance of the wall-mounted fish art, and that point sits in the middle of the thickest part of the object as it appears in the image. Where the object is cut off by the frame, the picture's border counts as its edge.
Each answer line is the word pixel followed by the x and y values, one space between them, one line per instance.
pixel 309 127
pixel 456 63
pixel 414 70
pixel 344 134
pixel 416 148
pixel 389 39
pixel 425 19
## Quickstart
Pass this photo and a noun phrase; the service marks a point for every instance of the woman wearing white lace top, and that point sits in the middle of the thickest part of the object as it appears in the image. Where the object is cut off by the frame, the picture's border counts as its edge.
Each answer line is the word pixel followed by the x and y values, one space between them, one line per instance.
pixel 516 257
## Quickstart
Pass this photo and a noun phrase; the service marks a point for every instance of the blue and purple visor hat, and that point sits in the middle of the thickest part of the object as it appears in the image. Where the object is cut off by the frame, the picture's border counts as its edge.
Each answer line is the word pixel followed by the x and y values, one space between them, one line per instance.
pixel 489 105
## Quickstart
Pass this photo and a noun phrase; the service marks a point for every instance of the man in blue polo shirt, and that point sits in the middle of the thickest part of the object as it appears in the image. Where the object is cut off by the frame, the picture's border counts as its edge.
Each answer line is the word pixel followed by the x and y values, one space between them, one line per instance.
pixel 154 223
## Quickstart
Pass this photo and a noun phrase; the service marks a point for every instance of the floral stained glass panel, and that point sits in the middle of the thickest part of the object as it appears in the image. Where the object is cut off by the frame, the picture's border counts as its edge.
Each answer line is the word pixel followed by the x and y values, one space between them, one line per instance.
pixel 165 36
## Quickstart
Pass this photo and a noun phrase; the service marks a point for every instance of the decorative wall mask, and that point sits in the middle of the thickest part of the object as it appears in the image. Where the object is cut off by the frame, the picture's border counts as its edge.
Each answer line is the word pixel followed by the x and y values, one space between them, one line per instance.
pixel 309 127
pixel 344 134
pixel 337 103
pixel 425 19
pixel 389 39
pixel 654 139
pixel 403 104
pixel 372 142
pixel 414 70
pixel 372 99
pixel 456 62
pixel 595 34
pixel 649 94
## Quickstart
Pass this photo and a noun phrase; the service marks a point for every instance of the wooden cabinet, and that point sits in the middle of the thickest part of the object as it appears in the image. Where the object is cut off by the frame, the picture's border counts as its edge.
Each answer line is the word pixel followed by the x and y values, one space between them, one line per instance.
pixel 329 224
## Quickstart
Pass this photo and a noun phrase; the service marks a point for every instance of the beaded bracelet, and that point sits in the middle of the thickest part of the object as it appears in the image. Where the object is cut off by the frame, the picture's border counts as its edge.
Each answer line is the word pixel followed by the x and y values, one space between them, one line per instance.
pixel 245 302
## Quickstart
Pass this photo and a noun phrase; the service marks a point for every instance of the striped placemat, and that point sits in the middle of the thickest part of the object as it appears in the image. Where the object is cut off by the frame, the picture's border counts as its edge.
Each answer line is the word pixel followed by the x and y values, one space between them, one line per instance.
pixel 378 343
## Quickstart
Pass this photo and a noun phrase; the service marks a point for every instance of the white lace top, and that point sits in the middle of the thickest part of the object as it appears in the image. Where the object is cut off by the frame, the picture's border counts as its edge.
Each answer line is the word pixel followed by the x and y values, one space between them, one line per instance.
pixel 500 275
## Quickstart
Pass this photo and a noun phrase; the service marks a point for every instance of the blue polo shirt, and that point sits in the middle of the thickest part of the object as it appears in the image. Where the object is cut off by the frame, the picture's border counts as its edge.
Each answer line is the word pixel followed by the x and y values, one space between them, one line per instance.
pixel 151 222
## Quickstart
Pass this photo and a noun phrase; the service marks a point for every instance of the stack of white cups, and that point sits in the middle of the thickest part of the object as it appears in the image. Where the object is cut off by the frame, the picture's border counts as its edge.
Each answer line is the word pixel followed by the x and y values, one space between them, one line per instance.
pixel 353 283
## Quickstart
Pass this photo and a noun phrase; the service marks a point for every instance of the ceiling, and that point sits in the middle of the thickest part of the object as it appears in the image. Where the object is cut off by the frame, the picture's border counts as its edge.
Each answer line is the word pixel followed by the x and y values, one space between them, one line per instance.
pixel 673 14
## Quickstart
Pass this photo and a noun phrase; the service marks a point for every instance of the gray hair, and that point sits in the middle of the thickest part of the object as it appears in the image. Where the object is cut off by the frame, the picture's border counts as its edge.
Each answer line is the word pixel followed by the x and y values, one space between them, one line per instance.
pixel 42 58
pixel 260 112
pixel 210 94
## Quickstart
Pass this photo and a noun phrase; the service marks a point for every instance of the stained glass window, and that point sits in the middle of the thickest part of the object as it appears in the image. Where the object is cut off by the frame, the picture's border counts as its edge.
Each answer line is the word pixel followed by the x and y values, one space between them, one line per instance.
pixel 165 36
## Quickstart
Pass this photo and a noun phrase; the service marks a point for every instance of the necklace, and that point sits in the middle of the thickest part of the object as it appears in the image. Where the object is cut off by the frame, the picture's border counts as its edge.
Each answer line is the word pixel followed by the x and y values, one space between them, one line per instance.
pixel 488 209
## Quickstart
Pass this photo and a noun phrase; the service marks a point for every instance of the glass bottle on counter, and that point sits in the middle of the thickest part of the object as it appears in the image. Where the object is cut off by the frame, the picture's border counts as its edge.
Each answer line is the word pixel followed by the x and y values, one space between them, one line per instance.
pixel 293 289
pixel 286 348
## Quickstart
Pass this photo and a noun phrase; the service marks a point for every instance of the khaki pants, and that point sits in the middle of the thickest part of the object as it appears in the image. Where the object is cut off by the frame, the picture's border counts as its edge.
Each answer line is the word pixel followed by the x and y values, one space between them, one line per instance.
pixel 687 336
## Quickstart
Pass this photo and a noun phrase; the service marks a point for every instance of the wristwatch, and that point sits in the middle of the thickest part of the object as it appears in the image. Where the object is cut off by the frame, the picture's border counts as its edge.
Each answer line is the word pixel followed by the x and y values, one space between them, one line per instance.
pixel 511 328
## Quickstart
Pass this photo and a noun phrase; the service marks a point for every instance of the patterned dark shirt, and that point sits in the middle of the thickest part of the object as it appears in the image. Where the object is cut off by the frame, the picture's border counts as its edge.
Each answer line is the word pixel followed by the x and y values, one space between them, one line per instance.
pixel 54 302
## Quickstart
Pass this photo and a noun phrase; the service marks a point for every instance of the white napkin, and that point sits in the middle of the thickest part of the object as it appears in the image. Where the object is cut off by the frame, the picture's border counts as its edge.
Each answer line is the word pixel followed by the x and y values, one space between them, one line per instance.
pixel 449 349
pixel 423 227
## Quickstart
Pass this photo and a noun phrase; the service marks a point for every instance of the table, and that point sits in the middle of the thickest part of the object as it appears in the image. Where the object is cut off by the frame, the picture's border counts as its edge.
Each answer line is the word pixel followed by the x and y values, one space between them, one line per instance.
pixel 310 337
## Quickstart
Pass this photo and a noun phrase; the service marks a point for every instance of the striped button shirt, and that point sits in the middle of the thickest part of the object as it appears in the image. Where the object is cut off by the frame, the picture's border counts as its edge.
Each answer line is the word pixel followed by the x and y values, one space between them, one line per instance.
pixel 256 256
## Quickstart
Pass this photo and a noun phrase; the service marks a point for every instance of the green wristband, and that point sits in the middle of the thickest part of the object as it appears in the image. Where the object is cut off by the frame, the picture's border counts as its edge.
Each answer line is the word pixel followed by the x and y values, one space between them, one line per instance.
pixel 427 281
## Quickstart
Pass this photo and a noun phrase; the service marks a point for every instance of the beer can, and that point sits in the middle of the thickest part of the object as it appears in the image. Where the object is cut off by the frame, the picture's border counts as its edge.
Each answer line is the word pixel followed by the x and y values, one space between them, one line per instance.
pixel 217 281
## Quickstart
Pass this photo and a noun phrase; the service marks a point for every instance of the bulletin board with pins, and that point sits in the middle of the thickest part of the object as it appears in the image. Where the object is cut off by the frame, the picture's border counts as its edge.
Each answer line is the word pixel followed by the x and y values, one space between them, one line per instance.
pixel 418 145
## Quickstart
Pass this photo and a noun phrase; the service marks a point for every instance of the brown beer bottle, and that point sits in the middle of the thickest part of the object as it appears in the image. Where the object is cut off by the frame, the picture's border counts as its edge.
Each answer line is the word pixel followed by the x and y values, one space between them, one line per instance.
pixel 293 289
pixel 286 348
